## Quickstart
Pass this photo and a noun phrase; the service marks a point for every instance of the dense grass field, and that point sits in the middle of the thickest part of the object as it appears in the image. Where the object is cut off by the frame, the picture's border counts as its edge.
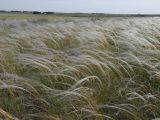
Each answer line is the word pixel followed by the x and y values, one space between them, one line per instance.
pixel 80 68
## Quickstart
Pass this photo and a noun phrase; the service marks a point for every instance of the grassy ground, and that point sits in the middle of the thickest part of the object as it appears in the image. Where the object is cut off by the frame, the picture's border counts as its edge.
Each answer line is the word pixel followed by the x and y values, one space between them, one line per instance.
pixel 15 16
pixel 19 16
pixel 80 68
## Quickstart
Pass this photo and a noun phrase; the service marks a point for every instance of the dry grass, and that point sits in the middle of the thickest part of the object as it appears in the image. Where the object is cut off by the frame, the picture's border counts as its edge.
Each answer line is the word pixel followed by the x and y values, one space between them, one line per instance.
pixel 80 69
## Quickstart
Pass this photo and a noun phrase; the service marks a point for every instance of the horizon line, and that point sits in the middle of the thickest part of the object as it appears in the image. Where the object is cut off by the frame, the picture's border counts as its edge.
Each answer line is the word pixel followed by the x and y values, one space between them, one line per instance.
pixel 80 12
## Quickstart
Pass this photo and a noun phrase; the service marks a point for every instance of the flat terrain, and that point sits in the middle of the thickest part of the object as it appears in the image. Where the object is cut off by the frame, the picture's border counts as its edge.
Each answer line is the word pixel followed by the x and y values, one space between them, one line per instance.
pixel 22 16
pixel 76 68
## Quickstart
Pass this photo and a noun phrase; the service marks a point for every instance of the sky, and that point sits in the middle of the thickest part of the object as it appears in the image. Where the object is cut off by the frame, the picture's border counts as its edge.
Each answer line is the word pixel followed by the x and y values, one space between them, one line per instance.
pixel 85 6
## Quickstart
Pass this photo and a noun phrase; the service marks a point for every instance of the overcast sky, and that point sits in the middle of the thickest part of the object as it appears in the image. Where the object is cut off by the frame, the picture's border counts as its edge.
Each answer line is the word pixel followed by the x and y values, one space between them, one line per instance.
pixel 91 6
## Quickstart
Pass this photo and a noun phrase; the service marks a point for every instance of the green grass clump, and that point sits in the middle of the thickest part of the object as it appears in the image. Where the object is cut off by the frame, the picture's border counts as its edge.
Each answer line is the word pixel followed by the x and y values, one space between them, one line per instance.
pixel 80 69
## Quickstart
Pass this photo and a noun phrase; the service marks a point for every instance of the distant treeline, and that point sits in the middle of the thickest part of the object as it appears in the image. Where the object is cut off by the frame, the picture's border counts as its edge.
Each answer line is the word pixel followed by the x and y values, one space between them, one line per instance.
pixel 82 14
pixel 27 12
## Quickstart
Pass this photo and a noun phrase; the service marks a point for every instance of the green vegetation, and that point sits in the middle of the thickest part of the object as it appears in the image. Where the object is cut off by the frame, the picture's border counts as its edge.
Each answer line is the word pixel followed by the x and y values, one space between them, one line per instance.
pixel 79 68
pixel 51 15
pixel 6 16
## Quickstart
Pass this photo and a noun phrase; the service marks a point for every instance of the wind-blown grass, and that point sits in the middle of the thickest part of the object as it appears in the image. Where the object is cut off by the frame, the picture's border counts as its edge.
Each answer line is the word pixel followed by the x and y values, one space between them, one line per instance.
pixel 80 69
